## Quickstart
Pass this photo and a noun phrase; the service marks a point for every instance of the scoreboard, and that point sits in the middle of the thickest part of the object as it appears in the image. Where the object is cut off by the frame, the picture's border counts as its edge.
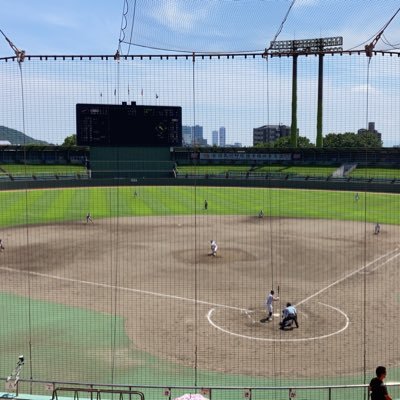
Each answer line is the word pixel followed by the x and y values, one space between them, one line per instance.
pixel 128 125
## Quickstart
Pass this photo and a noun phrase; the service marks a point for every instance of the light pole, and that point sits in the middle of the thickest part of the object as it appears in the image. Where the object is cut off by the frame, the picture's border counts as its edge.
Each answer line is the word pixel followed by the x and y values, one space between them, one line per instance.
pixel 294 48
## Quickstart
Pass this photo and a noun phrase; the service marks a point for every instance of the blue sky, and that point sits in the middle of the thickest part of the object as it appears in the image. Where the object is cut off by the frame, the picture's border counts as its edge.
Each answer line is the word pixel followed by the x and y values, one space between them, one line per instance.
pixel 43 27
pixel 93 26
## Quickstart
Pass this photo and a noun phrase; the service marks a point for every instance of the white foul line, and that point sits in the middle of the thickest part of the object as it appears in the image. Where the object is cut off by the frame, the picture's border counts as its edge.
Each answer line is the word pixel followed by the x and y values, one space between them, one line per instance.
pixel 122 288
pixel 126 289
pixel 350 275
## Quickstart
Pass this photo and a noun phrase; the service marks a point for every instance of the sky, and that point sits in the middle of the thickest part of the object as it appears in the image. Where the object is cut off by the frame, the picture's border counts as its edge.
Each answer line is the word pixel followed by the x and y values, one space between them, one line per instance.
pixel 93 26
pixel 43 27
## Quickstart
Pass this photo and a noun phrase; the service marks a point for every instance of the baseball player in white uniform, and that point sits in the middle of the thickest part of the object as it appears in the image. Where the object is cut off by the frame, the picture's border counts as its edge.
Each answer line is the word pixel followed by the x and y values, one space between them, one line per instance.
pixel 269 306
pixel 214 248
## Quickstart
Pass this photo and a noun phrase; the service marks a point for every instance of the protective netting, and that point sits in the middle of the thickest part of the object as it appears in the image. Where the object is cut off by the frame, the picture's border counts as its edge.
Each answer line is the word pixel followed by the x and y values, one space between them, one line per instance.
pixel 130 293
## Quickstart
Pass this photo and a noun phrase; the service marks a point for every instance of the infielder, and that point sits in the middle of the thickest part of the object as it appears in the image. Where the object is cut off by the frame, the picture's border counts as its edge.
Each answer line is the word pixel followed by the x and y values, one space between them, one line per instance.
pixel 377 229
pixel 1 245
pixel 214 248
pixel 269 306
pixel 89 218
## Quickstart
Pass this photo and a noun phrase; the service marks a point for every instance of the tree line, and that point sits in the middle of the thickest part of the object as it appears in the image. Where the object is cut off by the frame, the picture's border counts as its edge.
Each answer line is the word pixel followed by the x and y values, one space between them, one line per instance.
pixel 331 140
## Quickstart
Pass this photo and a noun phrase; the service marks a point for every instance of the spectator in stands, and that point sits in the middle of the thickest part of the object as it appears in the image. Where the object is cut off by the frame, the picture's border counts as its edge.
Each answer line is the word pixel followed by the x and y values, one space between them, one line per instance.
pixel 377 387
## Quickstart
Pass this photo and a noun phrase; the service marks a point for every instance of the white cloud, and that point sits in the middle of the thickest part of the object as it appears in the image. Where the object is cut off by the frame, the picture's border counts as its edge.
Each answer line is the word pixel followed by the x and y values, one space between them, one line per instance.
pixel 181 16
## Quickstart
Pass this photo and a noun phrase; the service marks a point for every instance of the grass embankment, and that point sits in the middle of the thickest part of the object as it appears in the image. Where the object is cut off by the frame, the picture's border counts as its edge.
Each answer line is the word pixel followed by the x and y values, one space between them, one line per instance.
pixel 33 169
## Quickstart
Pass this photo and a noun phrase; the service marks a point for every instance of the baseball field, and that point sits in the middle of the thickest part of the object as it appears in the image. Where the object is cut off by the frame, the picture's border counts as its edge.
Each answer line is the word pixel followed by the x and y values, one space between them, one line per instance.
pixel 135 297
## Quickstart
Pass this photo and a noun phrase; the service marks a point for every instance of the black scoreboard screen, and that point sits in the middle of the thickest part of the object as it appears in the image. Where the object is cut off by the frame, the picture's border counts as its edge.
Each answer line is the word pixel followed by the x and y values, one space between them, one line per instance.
pixel 128 125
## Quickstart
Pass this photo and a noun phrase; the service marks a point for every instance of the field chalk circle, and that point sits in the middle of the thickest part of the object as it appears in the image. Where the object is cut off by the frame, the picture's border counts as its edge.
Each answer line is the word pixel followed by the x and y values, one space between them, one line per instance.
pixel 347 322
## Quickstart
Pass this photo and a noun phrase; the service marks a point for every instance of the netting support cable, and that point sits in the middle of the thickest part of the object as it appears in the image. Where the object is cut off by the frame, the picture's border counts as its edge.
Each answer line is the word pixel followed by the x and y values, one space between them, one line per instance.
pixel 124 23
pixel 365 238
pixel 370 47
pixel 116 281
pixel 26 224
pixel 281 25
pixel 196 261
pixel 20 54
pixel 132 26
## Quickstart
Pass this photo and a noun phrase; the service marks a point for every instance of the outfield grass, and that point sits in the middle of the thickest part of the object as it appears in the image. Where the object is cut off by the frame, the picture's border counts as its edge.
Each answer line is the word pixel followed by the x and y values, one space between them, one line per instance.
pixel 41 206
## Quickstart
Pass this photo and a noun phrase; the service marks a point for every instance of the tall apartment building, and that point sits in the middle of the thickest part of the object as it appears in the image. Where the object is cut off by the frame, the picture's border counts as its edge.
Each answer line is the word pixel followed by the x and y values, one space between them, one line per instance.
pixel 187 135
pixel 269 133
pixel 193 135
pixel 222 136
pixel 214 140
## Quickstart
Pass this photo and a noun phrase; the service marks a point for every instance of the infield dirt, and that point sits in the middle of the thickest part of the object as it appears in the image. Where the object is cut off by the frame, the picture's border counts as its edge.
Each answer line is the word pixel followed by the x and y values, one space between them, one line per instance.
pixel 183 305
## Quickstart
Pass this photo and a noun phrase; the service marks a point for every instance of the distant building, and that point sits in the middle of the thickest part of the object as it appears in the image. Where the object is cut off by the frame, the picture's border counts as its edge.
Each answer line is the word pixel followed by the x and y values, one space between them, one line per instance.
pixel 269 133
pixel 222 136
pixel 187 135
pixel 214 140
pixel 193 135
pixel 371 128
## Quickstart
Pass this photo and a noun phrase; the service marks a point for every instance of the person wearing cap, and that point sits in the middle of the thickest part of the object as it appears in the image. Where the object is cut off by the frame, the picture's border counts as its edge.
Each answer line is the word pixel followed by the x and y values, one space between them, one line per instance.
pixel 214 248
pixel 289 313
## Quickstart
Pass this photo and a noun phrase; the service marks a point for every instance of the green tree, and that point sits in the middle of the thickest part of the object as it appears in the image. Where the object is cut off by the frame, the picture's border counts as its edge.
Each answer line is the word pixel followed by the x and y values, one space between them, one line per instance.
pixel 285 142
pixel 69 141
pixel 369 139
pixel 352 140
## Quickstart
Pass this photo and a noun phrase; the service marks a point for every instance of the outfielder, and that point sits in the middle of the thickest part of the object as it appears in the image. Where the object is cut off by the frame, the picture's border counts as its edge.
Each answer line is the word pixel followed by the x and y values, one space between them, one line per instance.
pixel 214 248
pixel 269 306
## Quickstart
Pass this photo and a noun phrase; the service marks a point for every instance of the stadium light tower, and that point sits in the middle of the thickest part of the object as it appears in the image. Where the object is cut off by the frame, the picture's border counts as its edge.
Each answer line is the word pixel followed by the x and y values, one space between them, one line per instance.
pixel 294 48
